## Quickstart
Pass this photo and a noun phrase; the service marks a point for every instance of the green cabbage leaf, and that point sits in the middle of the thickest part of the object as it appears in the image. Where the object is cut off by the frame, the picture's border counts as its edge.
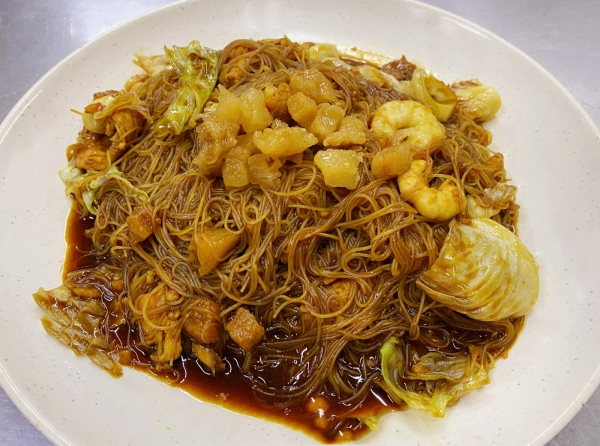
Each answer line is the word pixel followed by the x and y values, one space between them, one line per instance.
pixel 434 94
pixel 454 377
pixel 197 68
pixel 86 185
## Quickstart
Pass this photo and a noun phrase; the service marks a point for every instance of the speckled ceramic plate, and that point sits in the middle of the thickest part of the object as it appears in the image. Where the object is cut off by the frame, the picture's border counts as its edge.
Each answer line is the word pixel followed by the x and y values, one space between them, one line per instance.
pixel 552 152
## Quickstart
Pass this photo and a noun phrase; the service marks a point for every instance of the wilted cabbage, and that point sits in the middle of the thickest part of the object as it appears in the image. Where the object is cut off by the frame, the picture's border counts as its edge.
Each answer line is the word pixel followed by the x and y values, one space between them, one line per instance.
pixel 454 377
pixel 198 69
pixel 77 323
pixel 322 52
pixel 85 186
pixel 478 102
pixel 436 95
pixel 109 105
pixel 494 200
pixel 483 271
pixel 153 64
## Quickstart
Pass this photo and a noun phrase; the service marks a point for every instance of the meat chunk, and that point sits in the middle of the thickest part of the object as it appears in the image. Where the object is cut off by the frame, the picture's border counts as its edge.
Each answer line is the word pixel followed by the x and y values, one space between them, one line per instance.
pixel 351 131
pixel 157 310
pixel 120 116
pixel 339 167
pixel 314 84
pixel 302 108
pixel 211 246
pixel 327 121
pixel 276 100
pixel 264 171
pixel 209 357
pixel 255 114
pixel 237 71
pixel 215 139
pixel 91 158
pixel 229 107
pixel 283 141
pixel 393 160
pixel 401 69
pixel 90 151
pixel 245 330
pixel 140 223
pixel 235 168
pixel 203 322
pixel 124 125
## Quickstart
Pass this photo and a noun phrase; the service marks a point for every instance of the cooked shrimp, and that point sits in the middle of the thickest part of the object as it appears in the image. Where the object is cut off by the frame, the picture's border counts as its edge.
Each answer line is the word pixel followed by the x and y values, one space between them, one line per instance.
pixel 414 120
pixel 438 204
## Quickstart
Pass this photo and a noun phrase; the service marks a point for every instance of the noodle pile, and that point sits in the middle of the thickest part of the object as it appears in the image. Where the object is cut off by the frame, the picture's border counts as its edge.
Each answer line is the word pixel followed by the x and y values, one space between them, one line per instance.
pixel 329 273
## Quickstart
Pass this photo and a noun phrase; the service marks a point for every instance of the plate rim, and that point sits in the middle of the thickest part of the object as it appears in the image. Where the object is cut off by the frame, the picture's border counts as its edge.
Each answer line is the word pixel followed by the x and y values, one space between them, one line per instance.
pixel 55 436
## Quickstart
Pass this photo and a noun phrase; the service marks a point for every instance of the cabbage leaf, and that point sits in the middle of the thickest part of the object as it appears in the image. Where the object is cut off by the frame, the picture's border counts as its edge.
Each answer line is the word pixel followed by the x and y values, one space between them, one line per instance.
pixel 435 365
pixel 483 271
pixel 124 100
pixel 197 68
pixel 430 367
pixel 372 422
pixel 434 94
pixel 86 185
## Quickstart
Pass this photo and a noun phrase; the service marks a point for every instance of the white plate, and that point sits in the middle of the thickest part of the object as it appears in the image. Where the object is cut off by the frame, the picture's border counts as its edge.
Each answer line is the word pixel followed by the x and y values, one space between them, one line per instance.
pixel 552 151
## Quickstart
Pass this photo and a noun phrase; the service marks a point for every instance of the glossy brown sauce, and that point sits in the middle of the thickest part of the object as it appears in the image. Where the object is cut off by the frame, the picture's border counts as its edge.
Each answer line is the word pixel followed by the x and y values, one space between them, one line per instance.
pixel 230 389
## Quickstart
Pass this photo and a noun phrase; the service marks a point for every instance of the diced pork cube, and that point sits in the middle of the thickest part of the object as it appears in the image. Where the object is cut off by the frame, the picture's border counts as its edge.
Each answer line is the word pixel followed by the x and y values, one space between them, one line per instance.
pixel 393 160
pixel 276 99
pixel 255 114
pixel 352 131
pixel 244 330
pixel 339 167
pixel 140 223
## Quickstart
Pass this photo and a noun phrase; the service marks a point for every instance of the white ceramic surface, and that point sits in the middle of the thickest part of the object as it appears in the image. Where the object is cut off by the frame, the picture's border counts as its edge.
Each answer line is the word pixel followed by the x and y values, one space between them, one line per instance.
pixel 552 151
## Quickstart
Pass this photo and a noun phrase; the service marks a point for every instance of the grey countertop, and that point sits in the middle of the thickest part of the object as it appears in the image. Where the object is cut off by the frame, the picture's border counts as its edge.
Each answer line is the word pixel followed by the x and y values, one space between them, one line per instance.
pixel 562 35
